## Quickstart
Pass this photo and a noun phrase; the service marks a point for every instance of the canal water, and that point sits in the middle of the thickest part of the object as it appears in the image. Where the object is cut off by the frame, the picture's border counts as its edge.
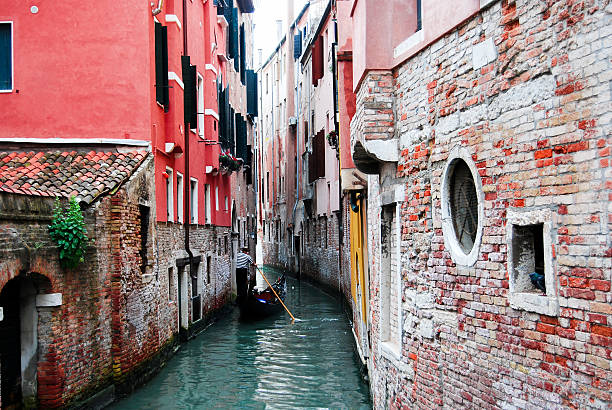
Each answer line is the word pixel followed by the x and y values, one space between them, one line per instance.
pixel 267 364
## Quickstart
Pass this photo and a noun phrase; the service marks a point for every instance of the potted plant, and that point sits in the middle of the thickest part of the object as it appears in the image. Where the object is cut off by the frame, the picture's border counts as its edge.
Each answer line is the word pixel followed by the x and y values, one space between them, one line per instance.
pixel 332 139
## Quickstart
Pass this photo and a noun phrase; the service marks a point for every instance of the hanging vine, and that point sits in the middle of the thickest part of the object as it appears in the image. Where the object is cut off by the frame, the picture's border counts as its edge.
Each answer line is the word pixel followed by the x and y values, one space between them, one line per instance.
pixel 68 231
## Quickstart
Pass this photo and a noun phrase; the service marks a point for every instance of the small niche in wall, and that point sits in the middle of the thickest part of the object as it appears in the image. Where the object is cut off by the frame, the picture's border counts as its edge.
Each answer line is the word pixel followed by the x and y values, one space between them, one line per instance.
pixel 528 258
pixel 531 265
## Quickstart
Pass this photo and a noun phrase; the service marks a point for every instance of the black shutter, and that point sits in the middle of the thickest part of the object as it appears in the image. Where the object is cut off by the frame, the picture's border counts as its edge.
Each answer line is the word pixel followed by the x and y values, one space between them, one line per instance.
pixel 165 83
pixel 241 137
pixel 233 37
pixel 251 93
pixel 190 92
pixel 242 56
pixel 232 130
pixel 297 45
pixel 161 65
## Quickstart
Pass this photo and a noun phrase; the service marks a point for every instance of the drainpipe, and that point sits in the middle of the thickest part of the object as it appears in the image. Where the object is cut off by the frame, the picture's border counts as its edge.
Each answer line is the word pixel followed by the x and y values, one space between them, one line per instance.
pixel 158 9
pixel 336 127
pixel 187 180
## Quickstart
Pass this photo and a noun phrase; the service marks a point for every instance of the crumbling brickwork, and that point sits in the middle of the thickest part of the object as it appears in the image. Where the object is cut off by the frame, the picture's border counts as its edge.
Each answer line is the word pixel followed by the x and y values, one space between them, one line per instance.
pixel 534 122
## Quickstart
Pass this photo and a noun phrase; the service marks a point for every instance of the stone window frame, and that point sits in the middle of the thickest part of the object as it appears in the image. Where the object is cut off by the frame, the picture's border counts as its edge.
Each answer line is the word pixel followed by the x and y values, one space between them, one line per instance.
pixel 547 304
pixel 391 349
pixel 457 254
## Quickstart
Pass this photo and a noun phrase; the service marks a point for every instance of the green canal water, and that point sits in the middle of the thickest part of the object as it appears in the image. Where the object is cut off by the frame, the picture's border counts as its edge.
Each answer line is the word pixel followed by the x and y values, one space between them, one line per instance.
pixel 266 364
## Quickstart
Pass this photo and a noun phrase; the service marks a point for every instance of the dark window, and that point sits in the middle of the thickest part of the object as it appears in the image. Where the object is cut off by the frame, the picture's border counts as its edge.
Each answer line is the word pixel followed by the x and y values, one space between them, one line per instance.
pixel 464 205
pixel 419 25
pixel 208 267
pixel 297 45
pixel 6 56
pixel 144 236
pixel 161 66
pixel 190 94
pixel 242 56
pixel 316 162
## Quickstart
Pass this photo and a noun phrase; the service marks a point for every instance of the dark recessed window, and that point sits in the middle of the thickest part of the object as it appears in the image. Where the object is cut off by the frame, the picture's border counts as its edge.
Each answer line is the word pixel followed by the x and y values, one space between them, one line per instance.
pixel 464 205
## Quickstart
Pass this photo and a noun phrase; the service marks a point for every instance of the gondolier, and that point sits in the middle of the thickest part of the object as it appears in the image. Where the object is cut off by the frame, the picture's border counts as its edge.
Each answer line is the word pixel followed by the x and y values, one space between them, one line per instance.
pixel 243 261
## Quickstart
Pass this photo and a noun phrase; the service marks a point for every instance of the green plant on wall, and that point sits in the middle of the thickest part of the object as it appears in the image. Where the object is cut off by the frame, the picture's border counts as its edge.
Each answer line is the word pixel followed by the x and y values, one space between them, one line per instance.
pixel 68 231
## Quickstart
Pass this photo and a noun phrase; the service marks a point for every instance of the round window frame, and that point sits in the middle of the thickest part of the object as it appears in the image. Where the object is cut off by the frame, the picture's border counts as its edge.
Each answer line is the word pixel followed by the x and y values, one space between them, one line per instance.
pixel 448 228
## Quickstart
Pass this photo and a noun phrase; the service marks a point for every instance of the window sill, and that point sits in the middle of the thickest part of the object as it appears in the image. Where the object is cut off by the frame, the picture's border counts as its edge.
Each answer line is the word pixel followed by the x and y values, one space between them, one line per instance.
pixel 534 302
pixel 390 350
pixel 6 91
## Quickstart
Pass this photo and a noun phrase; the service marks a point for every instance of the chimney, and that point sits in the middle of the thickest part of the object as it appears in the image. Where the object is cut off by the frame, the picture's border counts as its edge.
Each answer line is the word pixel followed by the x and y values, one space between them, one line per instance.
pixel 279 29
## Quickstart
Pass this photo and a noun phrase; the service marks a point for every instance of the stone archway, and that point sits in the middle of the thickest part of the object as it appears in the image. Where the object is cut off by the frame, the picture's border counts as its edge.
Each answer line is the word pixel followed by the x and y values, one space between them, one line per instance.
pixel 23 299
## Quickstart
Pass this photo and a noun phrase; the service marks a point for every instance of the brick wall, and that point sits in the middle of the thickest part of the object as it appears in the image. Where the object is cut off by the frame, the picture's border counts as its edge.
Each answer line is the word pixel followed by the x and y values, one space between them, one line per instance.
pixel 535 123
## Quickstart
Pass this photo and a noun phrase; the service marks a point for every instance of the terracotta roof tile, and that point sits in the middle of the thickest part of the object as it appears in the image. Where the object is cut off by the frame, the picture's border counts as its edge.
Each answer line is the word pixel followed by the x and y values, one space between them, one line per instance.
pixel 85 175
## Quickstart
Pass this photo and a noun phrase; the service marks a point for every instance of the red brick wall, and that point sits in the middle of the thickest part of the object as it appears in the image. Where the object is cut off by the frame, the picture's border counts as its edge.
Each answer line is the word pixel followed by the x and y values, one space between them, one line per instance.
pixel 534 121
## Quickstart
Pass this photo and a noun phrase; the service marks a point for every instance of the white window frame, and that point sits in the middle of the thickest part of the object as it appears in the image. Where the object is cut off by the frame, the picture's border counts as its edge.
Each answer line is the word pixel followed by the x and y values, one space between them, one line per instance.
pixel 207 205
pixel 170 195
pixel 200 88
pixel 12 57
pixel 217 198
pixel 179 197
pixel 193 197
pixel 226 204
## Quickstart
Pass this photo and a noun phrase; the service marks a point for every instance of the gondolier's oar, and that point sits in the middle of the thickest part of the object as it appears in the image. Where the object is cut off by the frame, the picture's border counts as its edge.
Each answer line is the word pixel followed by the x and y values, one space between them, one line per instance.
pixel 276 294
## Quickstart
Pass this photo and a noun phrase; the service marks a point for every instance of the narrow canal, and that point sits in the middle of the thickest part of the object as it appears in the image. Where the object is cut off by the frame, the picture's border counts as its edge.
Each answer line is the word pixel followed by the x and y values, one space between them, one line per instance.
pixel 266 364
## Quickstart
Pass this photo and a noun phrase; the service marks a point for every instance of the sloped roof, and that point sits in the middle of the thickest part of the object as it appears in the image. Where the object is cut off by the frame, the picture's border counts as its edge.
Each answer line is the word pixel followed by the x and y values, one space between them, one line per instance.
pixel 83 174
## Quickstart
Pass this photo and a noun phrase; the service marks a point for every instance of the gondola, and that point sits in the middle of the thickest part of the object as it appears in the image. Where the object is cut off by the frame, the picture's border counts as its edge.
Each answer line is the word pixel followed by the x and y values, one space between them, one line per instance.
pixel 261 304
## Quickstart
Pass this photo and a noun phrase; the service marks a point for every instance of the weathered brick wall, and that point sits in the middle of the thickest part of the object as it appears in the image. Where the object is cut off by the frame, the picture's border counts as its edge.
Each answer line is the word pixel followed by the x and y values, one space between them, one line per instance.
pixel 74 343
pixel 535 121
pixel 320 258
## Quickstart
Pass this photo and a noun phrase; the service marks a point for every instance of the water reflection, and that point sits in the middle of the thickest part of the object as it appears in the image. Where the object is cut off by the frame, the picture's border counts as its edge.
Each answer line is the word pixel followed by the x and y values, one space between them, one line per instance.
pixel 266 364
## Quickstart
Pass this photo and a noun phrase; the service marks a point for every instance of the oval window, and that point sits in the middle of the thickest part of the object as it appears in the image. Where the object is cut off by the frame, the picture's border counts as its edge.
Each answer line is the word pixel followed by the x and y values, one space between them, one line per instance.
pixel 464 205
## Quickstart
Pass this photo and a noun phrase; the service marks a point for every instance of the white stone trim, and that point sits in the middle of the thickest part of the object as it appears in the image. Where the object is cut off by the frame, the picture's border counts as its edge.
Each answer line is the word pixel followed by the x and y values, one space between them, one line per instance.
pixel 484 53
pixel 222 21
pixel 49 300
pixel 408 43
pixel 211 112
pixel 384 150
pixel 88 141
pixel 448 229
pixel 173 18
pixel 544 304
pixel 211 68
pixel 172 76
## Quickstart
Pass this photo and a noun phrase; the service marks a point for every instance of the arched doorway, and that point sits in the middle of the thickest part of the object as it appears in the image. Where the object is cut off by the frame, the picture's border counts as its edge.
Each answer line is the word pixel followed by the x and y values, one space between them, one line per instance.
pixel 19 339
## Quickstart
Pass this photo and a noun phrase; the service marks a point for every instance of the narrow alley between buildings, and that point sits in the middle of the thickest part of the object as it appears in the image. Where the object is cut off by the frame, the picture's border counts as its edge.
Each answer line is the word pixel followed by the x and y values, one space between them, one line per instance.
pixel 429 181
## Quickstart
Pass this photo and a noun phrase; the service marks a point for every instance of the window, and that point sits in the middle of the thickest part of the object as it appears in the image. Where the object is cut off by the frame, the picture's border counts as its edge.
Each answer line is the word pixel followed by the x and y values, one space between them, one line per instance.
pixel 144 212
pixel 196 300
pixel 267 78
pixel 6 56
pixel 462 207
pixel 226 204
pixel 217 198
pixel 193 197
pixel 419 22
pixel 532 284
pixel 390 280
pixel 208 267
pixel 200 89
pixel 161 66
pixel 179 197
pixel 169 196
pixel 171 285
pixel 207 210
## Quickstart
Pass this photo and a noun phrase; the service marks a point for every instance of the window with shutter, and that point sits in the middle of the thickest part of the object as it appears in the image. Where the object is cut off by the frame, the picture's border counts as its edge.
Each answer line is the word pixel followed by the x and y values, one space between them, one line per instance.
pixel 6 56
pixel 161 66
